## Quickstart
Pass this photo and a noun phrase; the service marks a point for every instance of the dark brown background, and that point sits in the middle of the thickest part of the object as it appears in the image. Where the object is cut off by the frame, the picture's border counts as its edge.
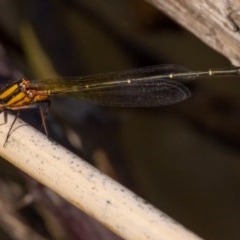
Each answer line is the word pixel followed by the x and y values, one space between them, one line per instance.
pixel 184 159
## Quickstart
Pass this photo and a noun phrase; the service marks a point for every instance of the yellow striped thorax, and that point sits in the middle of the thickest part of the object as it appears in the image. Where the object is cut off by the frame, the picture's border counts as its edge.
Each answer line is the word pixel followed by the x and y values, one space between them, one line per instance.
pixel 19 95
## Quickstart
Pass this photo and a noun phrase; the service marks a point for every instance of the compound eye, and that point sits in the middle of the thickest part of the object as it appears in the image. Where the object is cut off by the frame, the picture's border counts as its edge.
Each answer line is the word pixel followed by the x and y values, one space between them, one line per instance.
pixel 30 94
pixel 23 87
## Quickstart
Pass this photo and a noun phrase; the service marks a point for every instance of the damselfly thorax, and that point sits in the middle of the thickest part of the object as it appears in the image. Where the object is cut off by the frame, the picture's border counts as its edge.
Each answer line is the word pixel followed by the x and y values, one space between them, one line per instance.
pixel 19 96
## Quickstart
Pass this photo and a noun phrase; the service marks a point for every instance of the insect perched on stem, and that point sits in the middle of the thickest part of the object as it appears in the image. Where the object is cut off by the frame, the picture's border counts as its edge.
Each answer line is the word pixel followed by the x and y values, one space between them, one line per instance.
pixel 143 87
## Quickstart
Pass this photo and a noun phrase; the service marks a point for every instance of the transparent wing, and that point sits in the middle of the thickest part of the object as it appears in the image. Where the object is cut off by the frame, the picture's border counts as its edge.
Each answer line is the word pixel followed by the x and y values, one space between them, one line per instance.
pixel 143 87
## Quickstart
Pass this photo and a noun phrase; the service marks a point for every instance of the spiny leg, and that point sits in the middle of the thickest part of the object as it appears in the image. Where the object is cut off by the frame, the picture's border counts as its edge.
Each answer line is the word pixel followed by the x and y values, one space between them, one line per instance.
pixel 4 111
pixel 10 129
pixel 43 114
pixel 13 109
pixel 5 117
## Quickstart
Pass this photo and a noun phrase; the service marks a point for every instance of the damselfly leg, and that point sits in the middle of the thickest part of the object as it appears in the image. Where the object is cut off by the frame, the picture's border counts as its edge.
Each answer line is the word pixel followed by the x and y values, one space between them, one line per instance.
pixel 43 114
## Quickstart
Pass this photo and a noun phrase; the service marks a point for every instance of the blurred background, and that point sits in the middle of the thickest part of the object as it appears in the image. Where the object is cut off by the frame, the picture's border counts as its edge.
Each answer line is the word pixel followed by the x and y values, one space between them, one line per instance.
pixel 184 158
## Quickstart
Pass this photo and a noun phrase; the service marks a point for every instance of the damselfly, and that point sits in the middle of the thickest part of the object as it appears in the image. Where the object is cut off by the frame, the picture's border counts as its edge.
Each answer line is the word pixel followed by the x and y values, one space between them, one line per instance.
pixel 142 87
